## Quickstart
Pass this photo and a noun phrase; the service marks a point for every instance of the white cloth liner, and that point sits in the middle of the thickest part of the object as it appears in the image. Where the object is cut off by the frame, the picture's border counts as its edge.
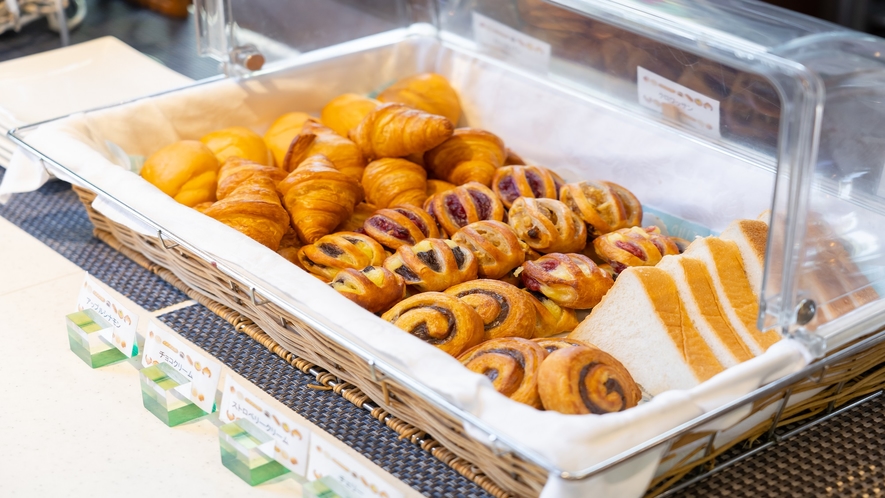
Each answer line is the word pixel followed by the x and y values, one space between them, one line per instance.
pixel 568 133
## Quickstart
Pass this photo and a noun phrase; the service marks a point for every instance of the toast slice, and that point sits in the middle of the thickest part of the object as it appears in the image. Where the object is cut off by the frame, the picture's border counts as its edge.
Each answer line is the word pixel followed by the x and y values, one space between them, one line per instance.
pixel 751 237
pixel 643 323
pixel 695 287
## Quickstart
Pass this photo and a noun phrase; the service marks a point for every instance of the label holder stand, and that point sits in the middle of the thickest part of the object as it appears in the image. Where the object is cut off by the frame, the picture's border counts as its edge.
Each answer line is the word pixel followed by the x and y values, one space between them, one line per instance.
pixel 164 391
pixel 248 452
pixel 86 335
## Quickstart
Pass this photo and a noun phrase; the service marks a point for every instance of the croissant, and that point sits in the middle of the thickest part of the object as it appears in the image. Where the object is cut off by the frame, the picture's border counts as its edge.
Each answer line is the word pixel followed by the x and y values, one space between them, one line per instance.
pixel 391 181
pixel 428 92
pixel 506 311
pixel 254 209
pixel 186 171
pixel 281 133
pixel 344 112
pixel 605 206
pixel 634 246
pixel 581 379
pixel 289 247
pixel 355 223
pixel 374 287
pixel 318 197
pixel 513 159
pixel 433 264
pixel 497 248
pixel 203 206
pixel 511 182
pixel 470 155
pixel 551 318
pixel 394 130
pixel 570 280
pixel 512 364
pixel 547 225
pixel 552 344
pixel 333 253
pixel 317 139
pixel 401 225
pixel 236 170
pixel 439 319
pixel 464 205
pixel 436 186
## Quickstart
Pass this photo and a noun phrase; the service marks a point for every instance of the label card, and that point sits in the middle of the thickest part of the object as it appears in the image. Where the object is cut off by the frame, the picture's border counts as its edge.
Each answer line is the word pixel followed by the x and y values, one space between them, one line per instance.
pixel 327 460
pixel 679 103
pixel 291 441
pixel 509 44
pixel 124 323
pixel 162 346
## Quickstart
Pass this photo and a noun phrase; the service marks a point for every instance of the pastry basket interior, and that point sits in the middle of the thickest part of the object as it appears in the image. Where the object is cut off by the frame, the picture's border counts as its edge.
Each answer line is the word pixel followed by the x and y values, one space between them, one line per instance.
pixel 799 140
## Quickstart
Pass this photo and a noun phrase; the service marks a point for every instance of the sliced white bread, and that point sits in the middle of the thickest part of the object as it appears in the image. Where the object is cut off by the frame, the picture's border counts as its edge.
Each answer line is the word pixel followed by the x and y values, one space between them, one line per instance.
pixel 695 287
pixel 751 236
pixel 642 322
pixel 733 291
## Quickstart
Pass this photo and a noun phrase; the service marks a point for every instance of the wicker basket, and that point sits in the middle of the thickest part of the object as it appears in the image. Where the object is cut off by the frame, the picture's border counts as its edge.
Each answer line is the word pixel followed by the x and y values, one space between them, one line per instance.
pixel 838 383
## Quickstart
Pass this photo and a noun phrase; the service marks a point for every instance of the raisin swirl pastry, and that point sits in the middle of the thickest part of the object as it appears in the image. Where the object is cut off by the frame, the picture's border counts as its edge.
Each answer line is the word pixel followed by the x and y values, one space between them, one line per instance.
pixel 505 310
pixel 547 225
pixel 495 245
pixel 438 319
pixel 581 380
pixel 464 205
pixel 634 247
pixel 552 344
pixel 511 182
pixel 333 253
pixel 512 364
pixel 570 280
pixel 401 226
pixel 374 287
pixel 604 206
pixel 551 318
pixel 433 264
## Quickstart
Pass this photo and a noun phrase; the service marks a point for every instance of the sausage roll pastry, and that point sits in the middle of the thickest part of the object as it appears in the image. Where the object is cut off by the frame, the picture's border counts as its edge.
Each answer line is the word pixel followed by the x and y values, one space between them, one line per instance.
pixel 464 205
pixel 470 155
pixel 333 253
pixel 604 206
pixel 505 310
pixel 497 248
pixel 511 182
pixel 395 130
pixel 401 225
pixel 512 364
pixel 551 318
pixel 581 380
pixel 438 319
pixel 570 280
pixel 433 264
pixel 392 181
pixel 547 225
pixel 374 288
pixel 634 247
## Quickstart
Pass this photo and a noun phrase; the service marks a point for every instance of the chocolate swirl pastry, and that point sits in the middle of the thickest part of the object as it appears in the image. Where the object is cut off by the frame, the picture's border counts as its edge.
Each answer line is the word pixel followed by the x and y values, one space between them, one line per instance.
pixel 581 380
pixel 550 318
pixel 512 364
pixel 433 264
pixel 333 253
pixel 547 225
pixel 401 225
pixel 464 205
pixel 505 310
pixel 552 344
pixel 570 280
pixel 604 206
pixel 511 182
pixel 374 287
pixel 634 247
pixel 438 319
pixel 495 245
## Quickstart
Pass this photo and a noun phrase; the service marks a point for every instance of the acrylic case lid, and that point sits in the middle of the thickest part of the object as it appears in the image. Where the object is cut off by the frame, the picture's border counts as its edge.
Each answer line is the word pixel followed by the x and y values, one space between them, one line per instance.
pixel 800 100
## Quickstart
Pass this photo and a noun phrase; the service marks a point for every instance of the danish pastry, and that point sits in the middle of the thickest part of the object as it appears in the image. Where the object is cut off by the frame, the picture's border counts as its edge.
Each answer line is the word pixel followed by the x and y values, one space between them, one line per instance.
pixel 570 280
pixel 236 170
pixel 464 205
pixel 470 155
pixel 552 344
pixel 394 130
pixel 605 206
pixel 551 318
pixel 512 364
pixel 433 264
pixel 581 380
pixel 389 182
pixel 401 225
pixel 439 319
pixel 429 92
pixel 254 209
pixel 497 248
pixel 333 253
pixel 374 288
pixel 634 247
pixel 505 310
pixel 318 139
pixel 511 182
pixel 547 225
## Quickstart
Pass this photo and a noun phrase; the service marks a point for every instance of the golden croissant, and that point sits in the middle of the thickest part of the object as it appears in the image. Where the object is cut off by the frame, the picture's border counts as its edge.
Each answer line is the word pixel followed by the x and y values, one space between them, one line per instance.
pixel 254 209
pixel 318 197
pixel 236 170
pixel 389 182
pixel 428 92
pixel 344 112
pixel 317 139
pixel 470 155
pixel 395 130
